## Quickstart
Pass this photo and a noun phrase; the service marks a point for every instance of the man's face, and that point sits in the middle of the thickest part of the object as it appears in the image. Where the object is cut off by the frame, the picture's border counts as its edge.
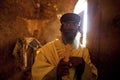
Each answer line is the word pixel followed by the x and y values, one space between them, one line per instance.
pixel 69 31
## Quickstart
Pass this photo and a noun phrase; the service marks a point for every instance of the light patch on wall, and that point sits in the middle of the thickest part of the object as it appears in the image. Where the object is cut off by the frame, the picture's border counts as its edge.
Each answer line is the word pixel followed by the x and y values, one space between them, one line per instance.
pixel 31 25
pixel 80 7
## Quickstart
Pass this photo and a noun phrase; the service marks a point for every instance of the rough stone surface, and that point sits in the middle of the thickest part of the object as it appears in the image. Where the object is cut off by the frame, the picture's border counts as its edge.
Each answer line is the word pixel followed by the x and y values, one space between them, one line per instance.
pixel 19 18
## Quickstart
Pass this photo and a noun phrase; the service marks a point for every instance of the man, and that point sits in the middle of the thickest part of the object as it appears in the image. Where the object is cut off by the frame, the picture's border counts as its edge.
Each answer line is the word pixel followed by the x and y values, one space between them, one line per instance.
pixel 64 58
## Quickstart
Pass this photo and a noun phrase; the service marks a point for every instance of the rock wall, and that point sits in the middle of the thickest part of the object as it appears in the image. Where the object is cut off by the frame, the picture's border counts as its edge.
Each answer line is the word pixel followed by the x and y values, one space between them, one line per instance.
pixel 103 37
pixel 20 18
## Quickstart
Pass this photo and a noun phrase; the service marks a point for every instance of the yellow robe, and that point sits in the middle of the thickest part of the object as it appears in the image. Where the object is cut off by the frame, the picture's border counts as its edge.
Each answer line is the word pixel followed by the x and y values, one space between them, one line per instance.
pixel 49 55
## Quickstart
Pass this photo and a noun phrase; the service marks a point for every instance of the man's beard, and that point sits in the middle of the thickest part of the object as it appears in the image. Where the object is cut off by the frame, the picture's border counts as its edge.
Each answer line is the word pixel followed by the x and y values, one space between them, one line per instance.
pixel 72 38
pixel 69 37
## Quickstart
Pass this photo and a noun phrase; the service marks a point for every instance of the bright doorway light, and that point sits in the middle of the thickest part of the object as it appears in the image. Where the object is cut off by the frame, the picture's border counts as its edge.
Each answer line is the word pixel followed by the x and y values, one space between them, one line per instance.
pixel 81 6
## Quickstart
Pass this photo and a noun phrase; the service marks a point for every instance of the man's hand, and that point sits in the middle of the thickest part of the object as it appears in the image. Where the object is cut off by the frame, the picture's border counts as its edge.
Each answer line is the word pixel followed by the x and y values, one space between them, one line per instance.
pixel 63 68
pixel 75 61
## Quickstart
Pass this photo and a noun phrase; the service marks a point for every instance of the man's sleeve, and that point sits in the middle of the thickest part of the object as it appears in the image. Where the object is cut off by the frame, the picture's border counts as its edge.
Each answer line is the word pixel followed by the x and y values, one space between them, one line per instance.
pixel 51 75
pixel 90 68
pixel 40 67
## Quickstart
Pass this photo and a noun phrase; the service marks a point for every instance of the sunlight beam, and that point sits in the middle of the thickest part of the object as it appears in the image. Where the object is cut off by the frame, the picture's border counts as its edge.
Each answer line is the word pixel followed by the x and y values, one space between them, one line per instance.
pixel 79 7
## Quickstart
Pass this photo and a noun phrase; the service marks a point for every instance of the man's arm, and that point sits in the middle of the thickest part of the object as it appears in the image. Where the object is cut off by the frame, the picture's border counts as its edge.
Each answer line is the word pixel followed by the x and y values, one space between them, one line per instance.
pixel 51 75
pixel 89 66
pixel 41 67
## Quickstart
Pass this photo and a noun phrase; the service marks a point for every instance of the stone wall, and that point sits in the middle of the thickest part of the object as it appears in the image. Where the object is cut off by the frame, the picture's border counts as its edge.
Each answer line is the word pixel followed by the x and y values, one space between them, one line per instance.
pixel 19 18
pixel 103 37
